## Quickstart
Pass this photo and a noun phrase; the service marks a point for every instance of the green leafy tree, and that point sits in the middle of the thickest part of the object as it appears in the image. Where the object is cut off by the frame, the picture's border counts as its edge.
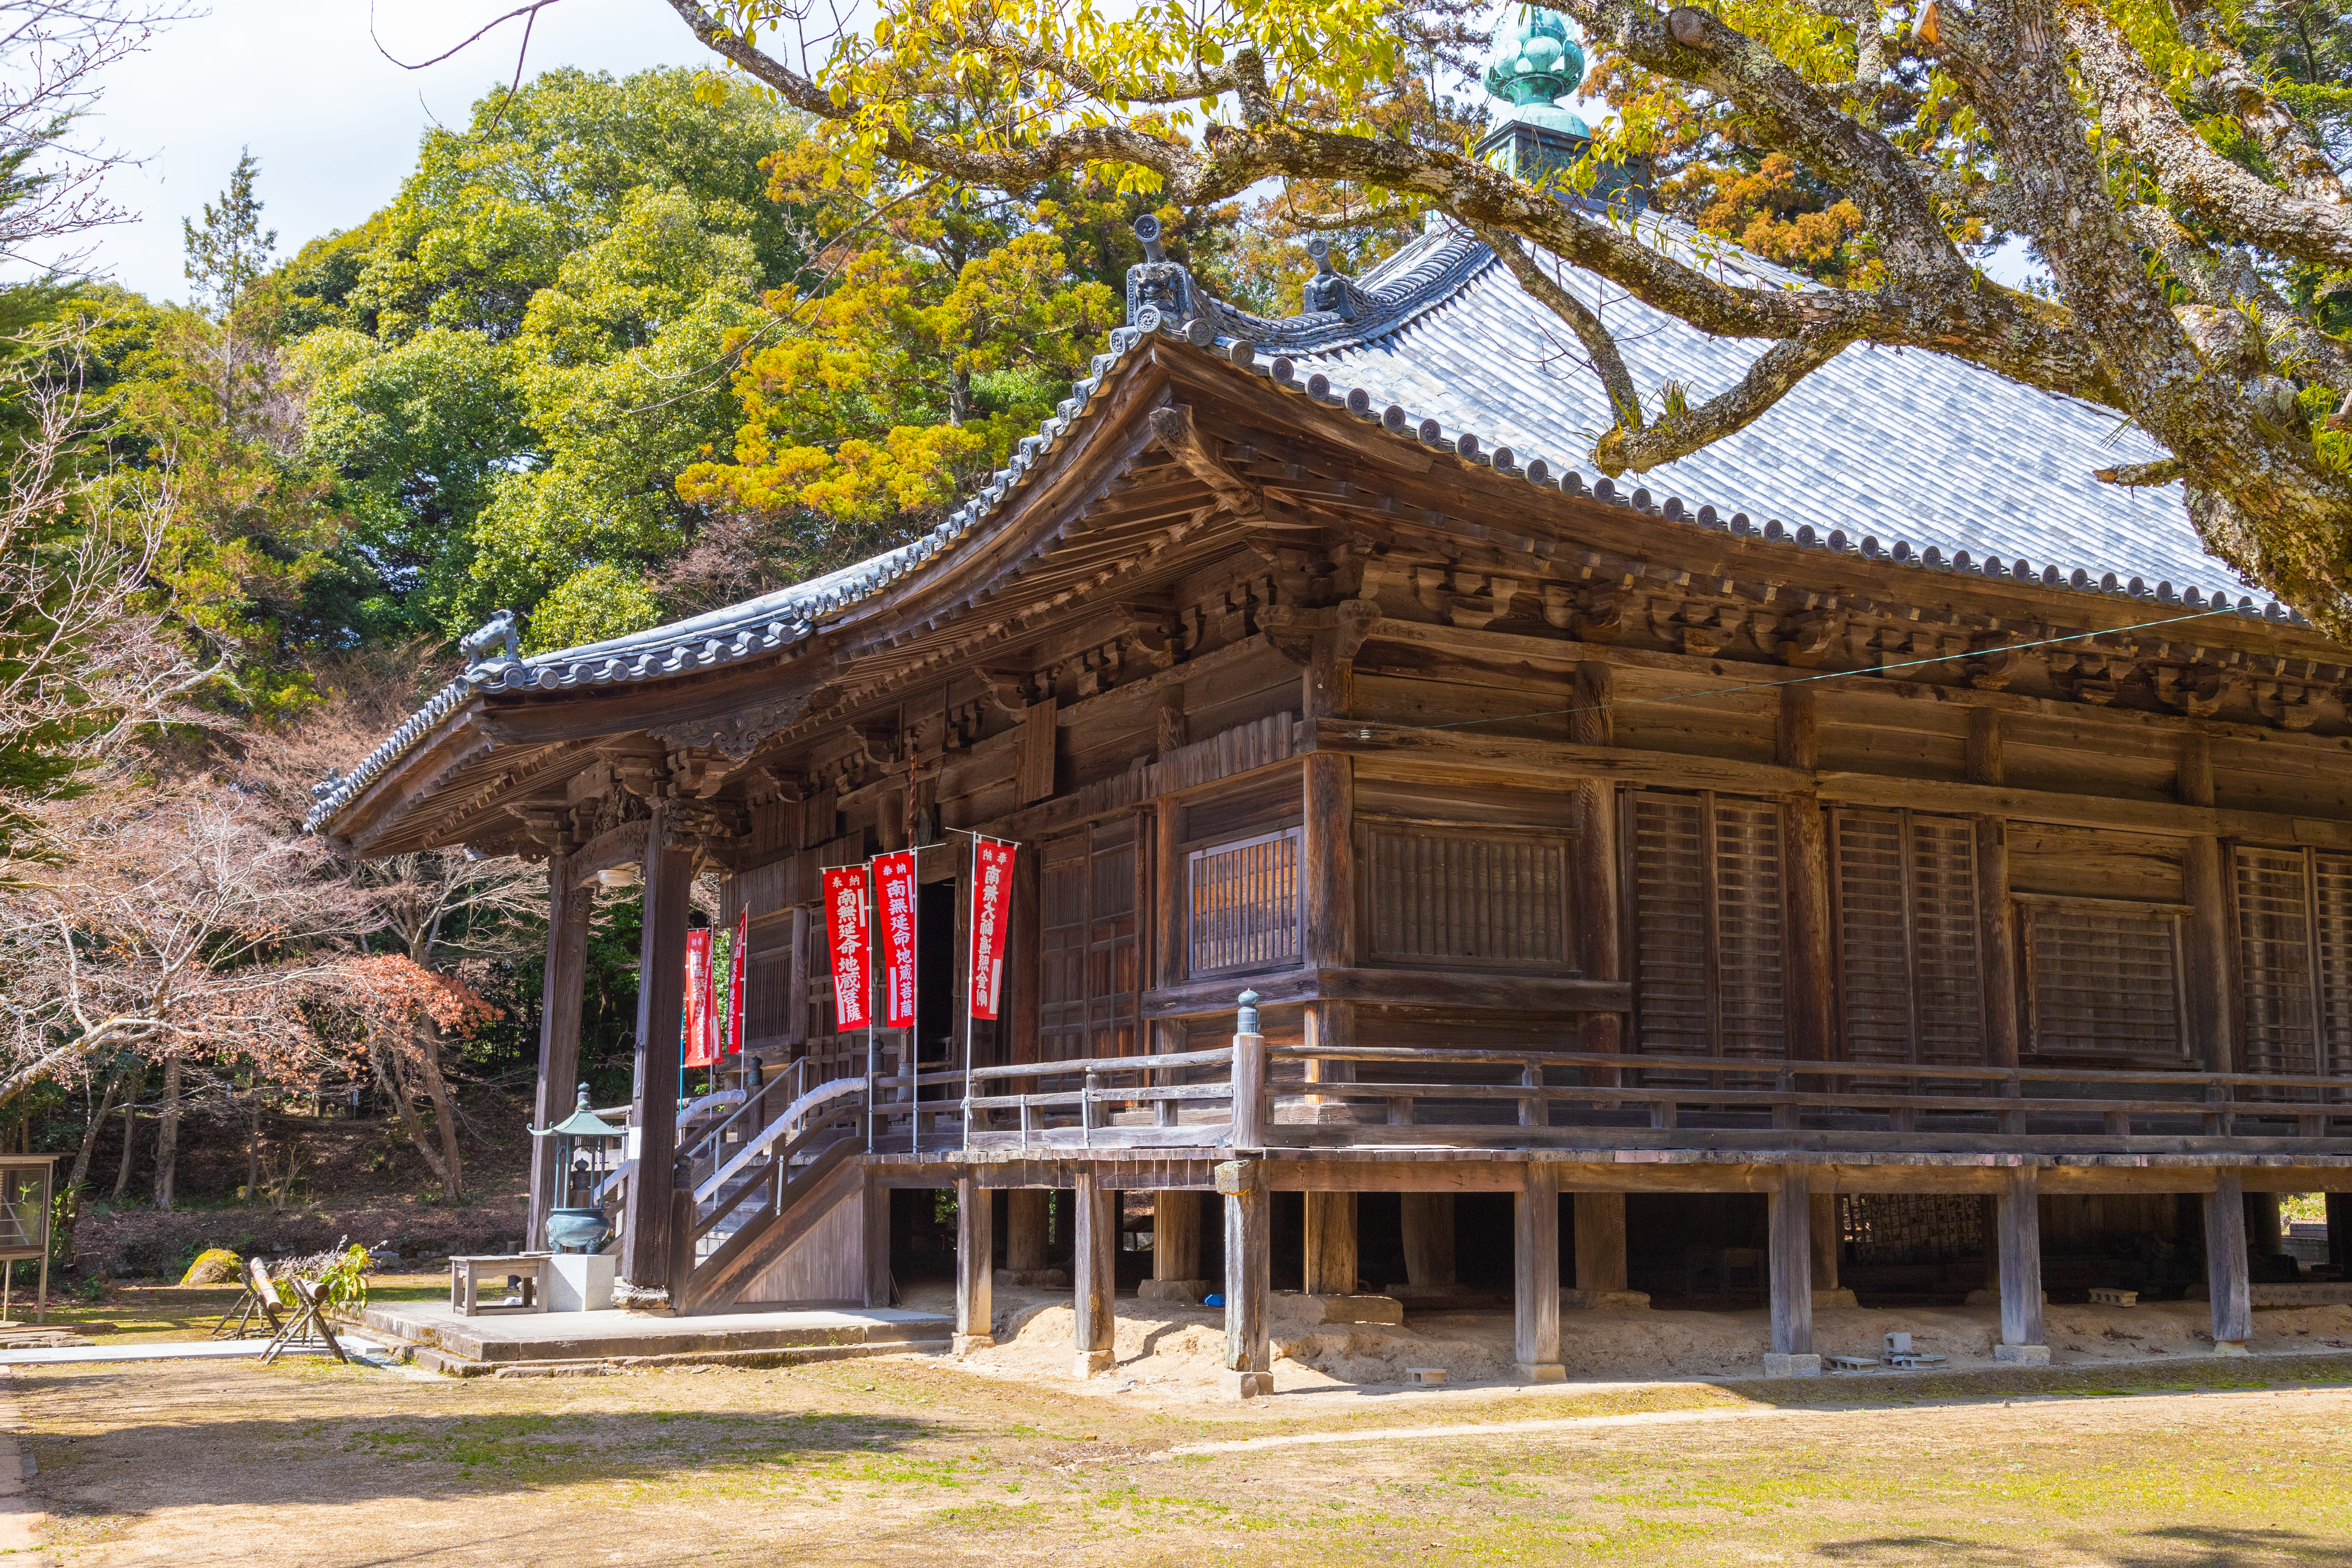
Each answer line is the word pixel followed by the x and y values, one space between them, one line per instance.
pixel 513 361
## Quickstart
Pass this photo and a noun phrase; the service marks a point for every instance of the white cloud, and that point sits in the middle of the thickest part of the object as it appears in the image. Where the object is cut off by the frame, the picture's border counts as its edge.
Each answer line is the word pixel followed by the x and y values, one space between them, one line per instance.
pixel 335 124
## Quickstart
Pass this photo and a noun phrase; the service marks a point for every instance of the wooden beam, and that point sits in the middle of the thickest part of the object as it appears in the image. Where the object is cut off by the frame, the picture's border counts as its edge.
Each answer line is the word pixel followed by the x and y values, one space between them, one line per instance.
pixel 1449 990
pixel 1599 923
pixel 1535 1277
pixel 1997 942
pixel 2339 1232
pixel 2226 1274
pixel 1330 1243
pixel 2016 1221
pixel 661 996
pixel 1790 1270
pixel 1249 1350
pixel 877 1241
pixel 569 907
pixel 975 1326
pixel 1094 1275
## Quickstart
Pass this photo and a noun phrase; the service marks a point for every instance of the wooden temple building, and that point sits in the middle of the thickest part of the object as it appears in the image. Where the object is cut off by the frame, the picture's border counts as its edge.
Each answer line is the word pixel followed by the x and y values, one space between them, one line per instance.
pixel 1887 810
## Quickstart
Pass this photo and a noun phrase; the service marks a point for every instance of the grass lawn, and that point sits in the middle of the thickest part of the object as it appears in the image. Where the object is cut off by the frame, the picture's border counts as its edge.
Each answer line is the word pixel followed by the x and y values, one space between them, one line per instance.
pixel 910 1461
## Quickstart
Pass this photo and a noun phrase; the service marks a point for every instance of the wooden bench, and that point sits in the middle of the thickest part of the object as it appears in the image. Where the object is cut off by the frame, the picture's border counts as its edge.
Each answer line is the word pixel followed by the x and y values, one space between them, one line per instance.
pixel 466 1274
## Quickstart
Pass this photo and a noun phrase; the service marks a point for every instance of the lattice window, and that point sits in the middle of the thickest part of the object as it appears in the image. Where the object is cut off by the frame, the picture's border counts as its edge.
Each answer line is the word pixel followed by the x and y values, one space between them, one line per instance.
pixel 769 1019
pixel 1484 898
pixel 2294 913
pixel 1709 946
pixel 2103 978
pixel 1909 984
pixel 1086 1001
pixel 1242 904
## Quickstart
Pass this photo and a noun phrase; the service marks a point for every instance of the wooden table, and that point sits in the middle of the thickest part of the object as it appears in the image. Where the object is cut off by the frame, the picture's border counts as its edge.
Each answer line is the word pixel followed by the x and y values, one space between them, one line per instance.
pixel 466 1274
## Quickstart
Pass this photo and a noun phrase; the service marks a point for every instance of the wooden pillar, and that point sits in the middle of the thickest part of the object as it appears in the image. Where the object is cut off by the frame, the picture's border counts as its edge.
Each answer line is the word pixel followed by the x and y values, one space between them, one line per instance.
pixel 645 1248
pixel 877 1242
pixel 1428 1220
pixel 1789 1274
pixel 2225 1265
pixel 1813 980
pixel 1996 942
pixel 2339 1232
pixel 568 909
pixel 1025 973
pixel 2017 1223
pixel 1600 1242
pixel 1535 1270
pixel 1249 1349
pixel 1827 1241
pixel 1095 1274
pixel 1598 920
pixel 975 1326
pixel 1176 1235
pixel 1330 1243
pixel 1326 871
pixel 1024 1230
pixel 2212 1022
pixel 2265 1227
pixel 1170 930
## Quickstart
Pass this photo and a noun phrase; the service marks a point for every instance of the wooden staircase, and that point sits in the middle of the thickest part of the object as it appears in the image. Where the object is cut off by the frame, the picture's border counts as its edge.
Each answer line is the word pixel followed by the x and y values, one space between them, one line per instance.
pixel 797 1170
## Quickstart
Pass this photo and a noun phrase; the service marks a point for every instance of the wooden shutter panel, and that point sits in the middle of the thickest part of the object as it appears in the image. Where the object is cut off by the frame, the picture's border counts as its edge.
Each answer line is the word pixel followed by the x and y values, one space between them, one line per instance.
pixel 2106 980
pixel 2332 939
pixel 2275 975
pixel 1751 957
pixel 1907 961
pixel 1709 932
pixel 1242 904
pixel 1087 929
pixel 1668 889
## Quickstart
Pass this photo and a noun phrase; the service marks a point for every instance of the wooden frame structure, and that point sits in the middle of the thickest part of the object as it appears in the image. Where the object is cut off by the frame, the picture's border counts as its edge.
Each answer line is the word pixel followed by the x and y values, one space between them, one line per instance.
pixel 1575 841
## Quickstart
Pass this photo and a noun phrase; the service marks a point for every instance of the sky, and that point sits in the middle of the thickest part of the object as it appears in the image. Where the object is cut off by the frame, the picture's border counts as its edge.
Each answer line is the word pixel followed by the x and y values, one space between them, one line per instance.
pixel 334 124
pixel 332 121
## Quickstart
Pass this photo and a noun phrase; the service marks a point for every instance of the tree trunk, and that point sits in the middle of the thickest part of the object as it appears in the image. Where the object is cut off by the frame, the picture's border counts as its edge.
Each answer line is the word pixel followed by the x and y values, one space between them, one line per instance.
pixel 395 1089
pixel 129 1139
pixel 167 1134
pixel 97 1120
pixel 253 1151
pixel 445 1109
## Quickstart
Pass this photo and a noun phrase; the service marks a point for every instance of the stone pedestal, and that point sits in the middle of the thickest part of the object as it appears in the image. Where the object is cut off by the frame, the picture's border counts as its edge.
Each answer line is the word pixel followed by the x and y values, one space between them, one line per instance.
pixel 1542 1372
pixel 961 1345
pixel 1188 1292
pixel 2022 1355
pixel 1835 1296
pixel 1091 1363
pixel 1246 1384
pixel 1031 1278
pixel 580 1281
pixel 1293 1308
pixel 1780 1365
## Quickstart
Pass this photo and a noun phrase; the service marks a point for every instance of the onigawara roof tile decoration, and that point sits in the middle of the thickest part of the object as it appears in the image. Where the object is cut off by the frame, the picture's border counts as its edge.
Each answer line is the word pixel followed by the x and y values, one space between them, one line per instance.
pixel 1906 457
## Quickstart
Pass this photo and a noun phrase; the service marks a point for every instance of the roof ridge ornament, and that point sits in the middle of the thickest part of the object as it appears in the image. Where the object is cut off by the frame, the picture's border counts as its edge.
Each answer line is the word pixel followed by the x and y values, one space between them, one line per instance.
pixel 500 630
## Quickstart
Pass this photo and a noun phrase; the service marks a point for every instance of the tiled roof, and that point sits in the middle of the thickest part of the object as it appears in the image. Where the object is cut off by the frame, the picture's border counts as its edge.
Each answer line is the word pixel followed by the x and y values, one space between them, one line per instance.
pixel 1950 466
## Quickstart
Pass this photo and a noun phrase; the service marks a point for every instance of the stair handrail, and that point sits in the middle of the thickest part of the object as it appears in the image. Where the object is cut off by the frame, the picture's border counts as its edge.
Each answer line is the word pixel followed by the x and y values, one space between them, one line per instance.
pixel 762 1141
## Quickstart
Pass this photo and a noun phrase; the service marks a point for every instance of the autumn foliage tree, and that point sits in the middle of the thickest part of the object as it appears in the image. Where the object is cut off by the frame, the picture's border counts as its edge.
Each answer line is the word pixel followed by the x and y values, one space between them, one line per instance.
pixel 2182 192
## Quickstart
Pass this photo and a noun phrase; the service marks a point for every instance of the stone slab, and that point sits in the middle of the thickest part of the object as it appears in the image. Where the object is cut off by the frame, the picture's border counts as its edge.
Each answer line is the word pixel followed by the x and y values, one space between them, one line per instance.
pixel 1290 1309
pixel 2022 1355
pixel 611 1335
pixel 1542 1372
pixel 1779 1366
pixel 1572 1300
pixel 1184 1292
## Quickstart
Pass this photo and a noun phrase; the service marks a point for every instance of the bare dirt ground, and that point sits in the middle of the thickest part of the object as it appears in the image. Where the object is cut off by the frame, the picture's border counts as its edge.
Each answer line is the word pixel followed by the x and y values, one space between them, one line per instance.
pixel 2188 1461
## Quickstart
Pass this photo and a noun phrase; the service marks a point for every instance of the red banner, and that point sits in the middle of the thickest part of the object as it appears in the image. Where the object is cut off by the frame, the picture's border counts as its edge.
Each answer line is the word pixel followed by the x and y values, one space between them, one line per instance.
pixel 992 896
pixel 894 900
pixel 735 968
pixel 699 1051
pixel 844 914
